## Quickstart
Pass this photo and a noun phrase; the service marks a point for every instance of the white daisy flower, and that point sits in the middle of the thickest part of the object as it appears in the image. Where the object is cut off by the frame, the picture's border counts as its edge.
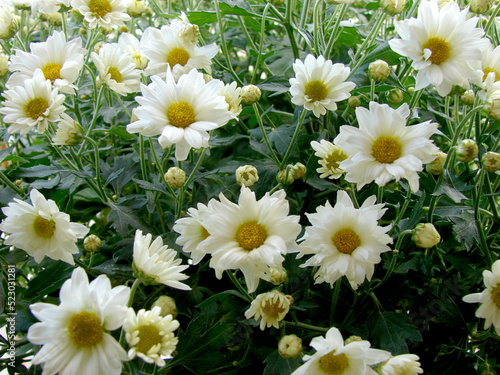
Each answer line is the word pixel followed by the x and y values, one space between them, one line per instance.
pixel 68 133
pixel 48 6
pixel 489 298
pixel 404 364
pixel 32 104
pixel 8 25
pixel 489 73
pixel 40 229
pixel 330 158
pixel 252 235
pixel 383 148
pixel 150 335
pixel 232 94
pixel 319 84
pixel 105 13
pixel 442 44
pixel 155 263
pixel 271 308
pixel 181 113
pixel 333 357
pixel 345 240
pixel 59 60
pixel 74 334
pixel 130 44
pixel 116 69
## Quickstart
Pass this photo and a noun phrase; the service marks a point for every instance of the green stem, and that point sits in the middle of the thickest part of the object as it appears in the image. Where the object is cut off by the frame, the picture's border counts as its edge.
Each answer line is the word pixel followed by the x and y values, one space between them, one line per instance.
pixel 401 211
pixel 395 253
pixel 491 199
pixel 97 106
pixel 294 138
pixel 10 184
pixel 97 166
pixel 305 326
pixel 262 32
pixel 491 19
pixel 333 36
pixel 264 135
pixel 240 288
pixel 373 33
pixel 335 297
pixel 476 197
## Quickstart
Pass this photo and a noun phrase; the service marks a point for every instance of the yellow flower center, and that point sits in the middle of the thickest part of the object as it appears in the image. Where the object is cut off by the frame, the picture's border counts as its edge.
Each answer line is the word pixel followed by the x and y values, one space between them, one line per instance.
pixel 100 8
pixel 149 336
pixel 181 114
pixel 272 309
pixel 52 71
pixel 386 149
pixel 177 56
pixel 495 295
pixel 251 235
pixel 487 71
pixel 332 160
pixel 35 108
pixel 115 74
pixel 440 49
pixel 204 233
pixel 346 240
pixel 85 329
pixel 43 227
pixel 316 90
pixel 333 364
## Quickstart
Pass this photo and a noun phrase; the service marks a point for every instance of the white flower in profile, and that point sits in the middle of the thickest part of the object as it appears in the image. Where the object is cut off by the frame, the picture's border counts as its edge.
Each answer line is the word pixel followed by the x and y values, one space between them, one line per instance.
pixel 32 104
pixel 383 148
pixel 489 298
pixel 330 158
pixel 8 25
pixel 181 113
pixel 442 44
pixel 333 357
pixel 489 74
pixel 130 44
pixel 155 263
pixel 345 240
pixel 40 229
pixel 251 236
pixel 68 133
pixel 319 84
pixel 232 94
pixel 75 334
pixel 116 69
pixel 271 308
pixel 105 13
pixel 403 364
pixel 60 61
pixel 150 335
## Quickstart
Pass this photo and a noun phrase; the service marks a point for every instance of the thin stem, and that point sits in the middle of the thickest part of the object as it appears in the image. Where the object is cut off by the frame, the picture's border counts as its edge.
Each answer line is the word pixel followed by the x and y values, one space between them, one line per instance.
pixel 476 197
pixel 305 326
pixel 262 32
pixel 335 297
pixel 10 184
pixel 264 135
pixel 294 138
pixel 373 33
pixel 238 285
pixel 335 35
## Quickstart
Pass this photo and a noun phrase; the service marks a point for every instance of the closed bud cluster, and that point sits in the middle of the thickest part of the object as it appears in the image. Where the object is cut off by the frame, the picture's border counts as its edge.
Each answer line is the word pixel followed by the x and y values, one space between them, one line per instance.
pixel 467 150
pixel 379 70
pixel 250 94
pixel 425 235
pixel 175 177
pixel 246 175
pixel 491 161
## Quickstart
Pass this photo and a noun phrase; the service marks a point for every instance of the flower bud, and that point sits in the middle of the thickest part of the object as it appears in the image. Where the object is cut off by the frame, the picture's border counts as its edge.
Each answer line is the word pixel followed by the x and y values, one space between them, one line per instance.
pixel 467 150
pixel 393 7
pixel 98 46
pixel 4 65
pixel 480 6
pixel 175 177
pixel 290 346
pixel 425 236
pixel 246 175
pixel 395 96
pixel 352 339
pixel 136 8
pixel 189 34
pixel 468 97
pixel 491 161
pixel 92 243
pixel 278 276
pixel 250 94
pixel 493 106
pixel 436 167
pixel 55 18
pixel 379 70
pixel 298 170
pixel 68 133
pixel 285 177
pixel 354 101
pixel 167 305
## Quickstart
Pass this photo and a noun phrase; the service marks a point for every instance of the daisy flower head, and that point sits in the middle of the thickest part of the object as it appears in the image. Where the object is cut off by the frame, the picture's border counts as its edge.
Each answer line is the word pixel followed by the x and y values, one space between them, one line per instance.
pixel 116 69
pixel 319 84
pixel 181 113
pixel 232 95
pixel 345 240
pixel 150 335
pixel 489 74
pixel 41 229
pixel 271 308
pixel 155 263
pixel 442 44
pixel 105 13
pixel 404 364
pixel 330 157
pixel 333 357
pixel 130 44
pixel 383 148
pixel 489 298
pixel 75 334
pixel 251 236
pixel 32 104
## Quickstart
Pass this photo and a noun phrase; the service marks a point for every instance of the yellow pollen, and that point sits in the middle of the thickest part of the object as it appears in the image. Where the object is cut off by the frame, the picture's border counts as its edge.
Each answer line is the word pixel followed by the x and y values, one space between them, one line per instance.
pixel 316 90
pixel 149 336
pixel 251 235
pixel 115 74
pixel 495 295
pixel 52 71
pixel 333 364
pixel 272 309
pixel 85 329
pixel 43 227
pixel 332 160
pixel 181 114
pixel 177 56
pixel 386 149
pixel 35 108
pixel 204 233
pixel 491 70
pixel 346 240
pixel 100 8
pixel 440 49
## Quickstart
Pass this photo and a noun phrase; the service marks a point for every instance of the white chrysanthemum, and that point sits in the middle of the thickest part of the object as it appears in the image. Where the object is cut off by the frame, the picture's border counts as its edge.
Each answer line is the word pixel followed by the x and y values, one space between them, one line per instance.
pixel 116 69
pixel 48 6
pixel 383 148
pixel 489 75
pixel 32 104
pixel 232 94
pixel 150 335
pixel 330 158
pixel 489 298
pixel 105 13
pixel 130 44
pixel 74 334
pixel 40 229
pixel 333 357
pixel 165 46
pixel 270 308
pixel 68 133
pixel 252 235
pixel 181 113
pixel 404 364
pixel 442 44
pixel 345 240
pixel 8 25
pixel 319 84
pixel 59 60
pixel 156 263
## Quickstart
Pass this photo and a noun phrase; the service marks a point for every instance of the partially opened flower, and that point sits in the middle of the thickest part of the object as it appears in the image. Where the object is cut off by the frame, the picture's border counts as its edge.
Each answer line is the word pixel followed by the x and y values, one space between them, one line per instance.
pixel 40 229
pixel 330 158
pixel 8 25
pixel 105 13
pixel 232 93
pixel 130 44
pixel 75 334
pixel 68 133
pixel 270 308
pixel 403 364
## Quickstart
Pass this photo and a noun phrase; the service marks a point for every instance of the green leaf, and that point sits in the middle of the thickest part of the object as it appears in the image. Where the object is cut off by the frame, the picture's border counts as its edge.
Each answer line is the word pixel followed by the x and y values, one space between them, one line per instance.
pixel 465 228
pixel 48 280
pixel 122 216
pixel 277 365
